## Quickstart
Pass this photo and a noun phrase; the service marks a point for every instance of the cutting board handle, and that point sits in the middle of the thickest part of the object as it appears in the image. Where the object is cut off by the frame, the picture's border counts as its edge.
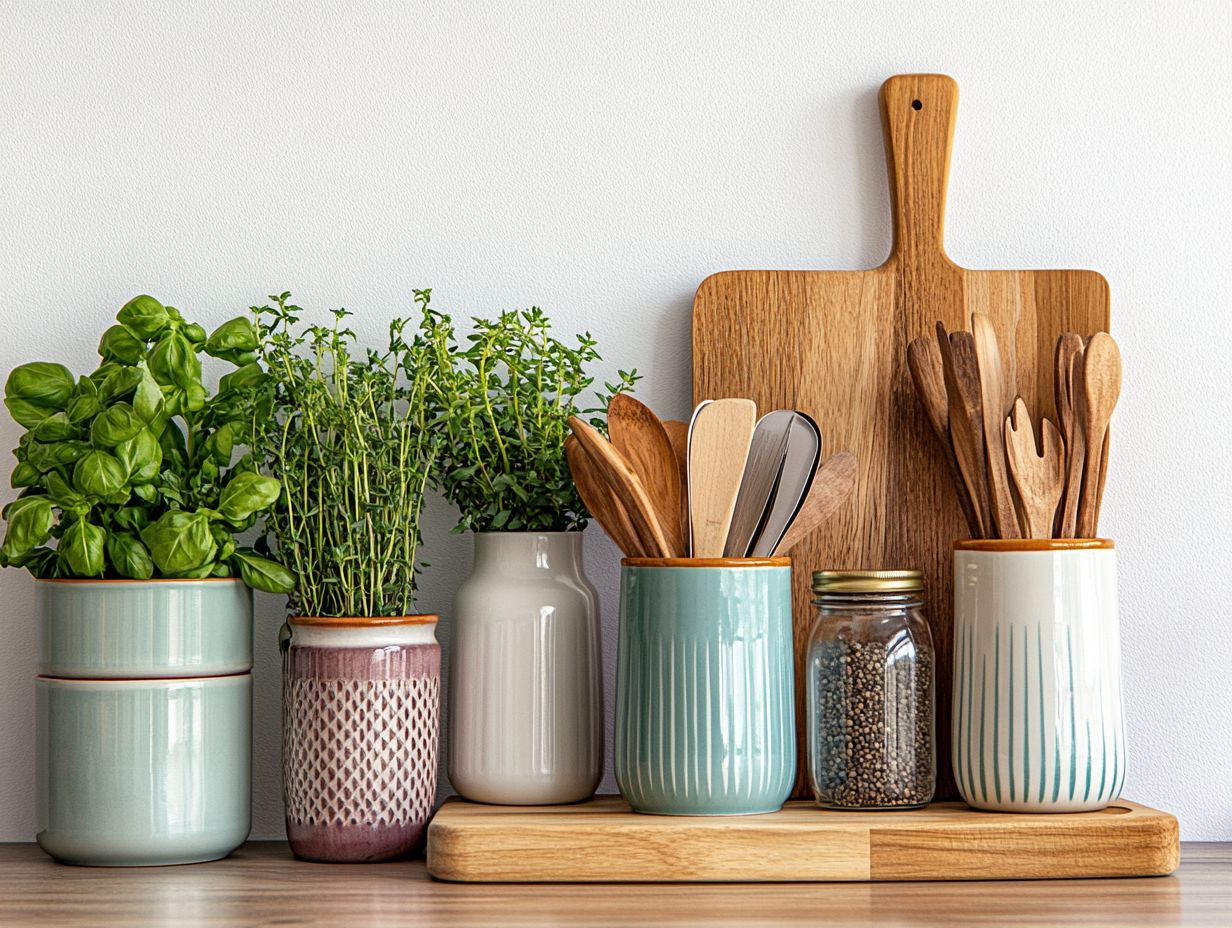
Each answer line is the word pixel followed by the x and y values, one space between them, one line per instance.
pixel 917 115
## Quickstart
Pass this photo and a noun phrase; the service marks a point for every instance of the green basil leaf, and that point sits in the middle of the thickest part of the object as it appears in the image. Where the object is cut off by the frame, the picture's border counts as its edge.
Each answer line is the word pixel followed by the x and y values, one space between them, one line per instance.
pixel 235 336
pixel 241 379
pixel 180 542
pixel 61 493
pixel 222 444
pixel 120 383
pixel 119 344
pixel 129 557
pixel 132 518
pixel 42 383
pixel 55 427
pixel 81 549
pixel 147 492
pixel 148 402
pixel 26 412
pixel 116 425
pixel 194 333
pixel 30 520
pixel 144 316
pixel 141 457
pixel 246 494
pixel 98 474
pixel 46 457
pixel 84 407
pixel 24 474
pixel 261 573
pixel 173 362
pixel 195 397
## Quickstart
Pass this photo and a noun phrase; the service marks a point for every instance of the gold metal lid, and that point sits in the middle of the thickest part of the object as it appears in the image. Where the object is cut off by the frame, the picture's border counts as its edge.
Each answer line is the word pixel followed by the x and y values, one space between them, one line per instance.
pixel 867 581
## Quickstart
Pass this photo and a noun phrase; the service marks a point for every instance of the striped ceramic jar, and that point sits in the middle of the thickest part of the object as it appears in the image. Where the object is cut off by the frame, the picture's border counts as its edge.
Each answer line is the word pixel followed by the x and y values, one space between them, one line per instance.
pixel 1037 681
pixel 704 700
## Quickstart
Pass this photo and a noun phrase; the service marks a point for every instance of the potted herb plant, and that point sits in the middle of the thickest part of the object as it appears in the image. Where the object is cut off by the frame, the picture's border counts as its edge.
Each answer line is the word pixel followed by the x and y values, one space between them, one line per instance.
pixel 131 497
pixel 346 432
pixel 526 698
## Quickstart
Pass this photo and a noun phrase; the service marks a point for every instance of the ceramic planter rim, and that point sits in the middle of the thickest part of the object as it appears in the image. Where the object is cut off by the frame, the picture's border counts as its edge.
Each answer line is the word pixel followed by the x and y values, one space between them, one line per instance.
pixel 131 580
pixel 706 562
pixel 376 621
pixel 1021 545
pixel 216 679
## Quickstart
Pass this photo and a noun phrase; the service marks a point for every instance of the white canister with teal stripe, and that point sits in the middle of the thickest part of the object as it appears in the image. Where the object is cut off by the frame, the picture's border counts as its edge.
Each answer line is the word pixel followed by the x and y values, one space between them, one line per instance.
pixel 1038 720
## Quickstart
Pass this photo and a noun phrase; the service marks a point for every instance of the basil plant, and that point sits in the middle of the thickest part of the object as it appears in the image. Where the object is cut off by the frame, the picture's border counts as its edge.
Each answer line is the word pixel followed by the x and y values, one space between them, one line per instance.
pixel 132 472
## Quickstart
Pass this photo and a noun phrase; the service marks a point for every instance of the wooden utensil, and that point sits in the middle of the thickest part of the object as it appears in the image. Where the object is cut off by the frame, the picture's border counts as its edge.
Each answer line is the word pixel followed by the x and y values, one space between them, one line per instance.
pixel 1068 355
pixel 761 475
pixel 639 436
pixel 795 481
pixel 719 442
pixel 924 362
pixel 624 484
pixel 1101 375
pixel 832 487
pixel 688 442
pixel 1039 474
pixel 831 345
pixel 678 435
pixel 962 387
pixel 600 500
pixel 995 407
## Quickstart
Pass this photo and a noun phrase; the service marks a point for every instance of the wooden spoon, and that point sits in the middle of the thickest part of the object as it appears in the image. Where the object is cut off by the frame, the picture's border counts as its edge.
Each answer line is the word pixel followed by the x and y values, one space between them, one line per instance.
pixel 1101 374
pixel 924 362
pixel 962 387
pixel 761 476
pixel 1039 476
pixel 678 435
pixel 624 484
pixel 719 442
pixel 640 437
pixel 601 502
pixel 994 407
pixel 832 486
pixel 1068 356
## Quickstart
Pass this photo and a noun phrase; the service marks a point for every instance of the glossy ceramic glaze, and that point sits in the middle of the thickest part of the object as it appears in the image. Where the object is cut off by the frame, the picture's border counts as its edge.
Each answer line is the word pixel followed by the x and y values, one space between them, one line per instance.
pixel 1037 716
pixel 705 720
pixel 143 772
pixel 361 709
pixel 104 629
pixel 526 685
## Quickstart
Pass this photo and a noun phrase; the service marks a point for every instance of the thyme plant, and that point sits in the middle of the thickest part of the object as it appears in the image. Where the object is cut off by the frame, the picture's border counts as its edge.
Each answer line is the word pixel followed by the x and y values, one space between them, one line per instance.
pixel 501 406
pixel 347 432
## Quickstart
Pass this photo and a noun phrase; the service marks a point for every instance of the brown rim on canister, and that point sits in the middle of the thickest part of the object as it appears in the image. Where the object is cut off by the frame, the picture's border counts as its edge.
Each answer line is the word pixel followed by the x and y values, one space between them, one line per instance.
pixel 705 562
pixel 336 621
pixel 1034 544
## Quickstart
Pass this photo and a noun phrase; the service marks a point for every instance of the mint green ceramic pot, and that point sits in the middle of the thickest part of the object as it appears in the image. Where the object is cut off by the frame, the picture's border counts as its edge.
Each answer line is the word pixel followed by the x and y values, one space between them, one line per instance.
pixel 144 720
pixel 705 720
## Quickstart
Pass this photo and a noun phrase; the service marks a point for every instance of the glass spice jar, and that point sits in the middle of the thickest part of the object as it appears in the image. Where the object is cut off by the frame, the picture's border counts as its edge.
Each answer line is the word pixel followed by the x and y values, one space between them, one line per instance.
pixel 870 672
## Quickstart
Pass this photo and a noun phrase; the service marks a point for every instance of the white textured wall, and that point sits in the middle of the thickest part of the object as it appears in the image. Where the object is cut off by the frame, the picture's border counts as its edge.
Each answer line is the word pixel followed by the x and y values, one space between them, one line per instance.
pixel 600 160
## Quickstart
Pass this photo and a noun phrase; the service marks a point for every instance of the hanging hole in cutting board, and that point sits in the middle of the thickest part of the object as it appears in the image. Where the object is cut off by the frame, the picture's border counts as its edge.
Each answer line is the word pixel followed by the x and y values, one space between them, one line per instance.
pixel 917 105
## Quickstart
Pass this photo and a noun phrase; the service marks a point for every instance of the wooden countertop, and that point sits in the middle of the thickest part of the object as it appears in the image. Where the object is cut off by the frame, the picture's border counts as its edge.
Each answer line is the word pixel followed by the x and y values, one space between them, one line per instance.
pixel 263 884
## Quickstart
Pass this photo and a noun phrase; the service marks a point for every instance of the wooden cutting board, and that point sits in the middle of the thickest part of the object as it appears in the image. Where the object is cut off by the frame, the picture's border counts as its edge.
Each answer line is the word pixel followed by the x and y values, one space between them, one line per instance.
pixel 603 841
pixel 833 344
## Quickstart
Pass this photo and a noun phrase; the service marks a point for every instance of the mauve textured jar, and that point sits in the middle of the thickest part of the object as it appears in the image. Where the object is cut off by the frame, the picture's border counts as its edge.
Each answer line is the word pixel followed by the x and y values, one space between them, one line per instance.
pixel 360 731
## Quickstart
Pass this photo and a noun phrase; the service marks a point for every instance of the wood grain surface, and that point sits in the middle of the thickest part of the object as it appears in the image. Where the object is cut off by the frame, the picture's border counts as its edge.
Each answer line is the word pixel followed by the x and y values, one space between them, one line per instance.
pixel 261 884
pixel 602 840
pixel 833 344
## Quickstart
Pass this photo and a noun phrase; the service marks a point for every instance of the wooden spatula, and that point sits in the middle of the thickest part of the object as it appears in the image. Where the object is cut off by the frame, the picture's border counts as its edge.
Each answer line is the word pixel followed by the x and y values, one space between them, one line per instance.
pixel 678 435
pixel 1067 363
pixel 719 442
pixel 795 480
pixel 1038 474
pixel 615 471
pixel 832 487
pixel 994 407
pixel 600 500
pixel 761 475
pixel 924 362
pixel 962 387
pixel 1101 375
pixel 641 439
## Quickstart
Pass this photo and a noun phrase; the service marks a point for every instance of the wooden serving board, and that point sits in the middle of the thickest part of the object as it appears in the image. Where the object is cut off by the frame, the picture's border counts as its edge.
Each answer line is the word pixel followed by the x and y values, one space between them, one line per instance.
pixel 603 841
pixel 833 344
